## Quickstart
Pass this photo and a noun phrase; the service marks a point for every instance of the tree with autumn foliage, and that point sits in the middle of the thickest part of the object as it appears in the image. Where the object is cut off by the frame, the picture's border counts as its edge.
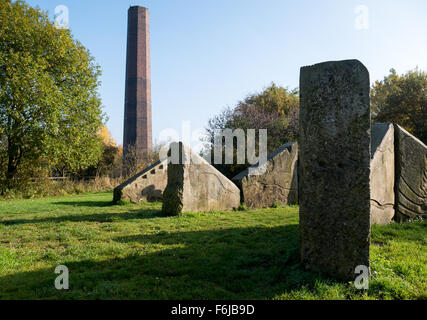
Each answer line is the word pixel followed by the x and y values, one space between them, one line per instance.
pixel 111 154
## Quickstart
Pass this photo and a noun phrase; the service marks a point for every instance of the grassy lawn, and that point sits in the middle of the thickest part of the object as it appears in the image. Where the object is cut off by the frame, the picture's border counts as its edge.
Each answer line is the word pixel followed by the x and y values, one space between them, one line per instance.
pixel 132 252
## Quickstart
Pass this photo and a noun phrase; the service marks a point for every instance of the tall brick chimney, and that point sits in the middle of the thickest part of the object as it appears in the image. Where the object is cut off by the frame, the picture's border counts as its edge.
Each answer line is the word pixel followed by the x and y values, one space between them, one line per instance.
pixel 137 119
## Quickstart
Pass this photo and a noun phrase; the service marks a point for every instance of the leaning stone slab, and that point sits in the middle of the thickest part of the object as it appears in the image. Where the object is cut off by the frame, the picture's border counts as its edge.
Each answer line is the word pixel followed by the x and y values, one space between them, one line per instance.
pixel 411 176
pixel 194 185
pixel 147 185
pixel 334 168
pixel 273 182
pixel 382 173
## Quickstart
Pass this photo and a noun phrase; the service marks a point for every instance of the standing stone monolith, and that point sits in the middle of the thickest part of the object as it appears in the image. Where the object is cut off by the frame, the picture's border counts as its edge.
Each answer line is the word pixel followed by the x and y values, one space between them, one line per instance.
pixel 195 185
pixel 411 176
pixel 137 119
pixel 382 173
pixel 334 168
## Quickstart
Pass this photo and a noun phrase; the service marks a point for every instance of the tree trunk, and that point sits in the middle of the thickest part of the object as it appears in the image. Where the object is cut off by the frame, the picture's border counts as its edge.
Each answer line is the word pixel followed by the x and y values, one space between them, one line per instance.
pixel 14 158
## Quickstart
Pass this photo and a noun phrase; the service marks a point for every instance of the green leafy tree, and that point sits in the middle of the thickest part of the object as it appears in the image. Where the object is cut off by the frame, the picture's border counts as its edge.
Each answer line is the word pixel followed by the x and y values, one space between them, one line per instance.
pixel 49 105
pixel 402 99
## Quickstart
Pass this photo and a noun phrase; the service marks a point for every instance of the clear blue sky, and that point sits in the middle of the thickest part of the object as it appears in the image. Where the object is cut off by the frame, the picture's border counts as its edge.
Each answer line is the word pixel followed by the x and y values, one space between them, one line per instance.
pixel 206 55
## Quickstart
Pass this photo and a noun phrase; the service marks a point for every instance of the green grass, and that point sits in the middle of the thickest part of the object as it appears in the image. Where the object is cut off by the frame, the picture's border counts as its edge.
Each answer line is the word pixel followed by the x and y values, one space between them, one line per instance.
pixel 133 252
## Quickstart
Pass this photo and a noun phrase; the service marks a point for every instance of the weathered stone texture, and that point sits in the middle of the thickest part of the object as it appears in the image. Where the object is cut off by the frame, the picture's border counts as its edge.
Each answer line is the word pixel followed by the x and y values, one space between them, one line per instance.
pixel 411 176
pixel 274 182
pixel 194 185
pixel 147 185
pixel 334 168
pixel 382 173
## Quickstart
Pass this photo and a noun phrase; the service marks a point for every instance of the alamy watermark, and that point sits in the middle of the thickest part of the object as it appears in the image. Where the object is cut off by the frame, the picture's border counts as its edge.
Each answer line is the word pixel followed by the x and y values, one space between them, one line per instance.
pixel 62 281
pixel 229 146
pixel 61 17
pixel 362 17
pixel 362 280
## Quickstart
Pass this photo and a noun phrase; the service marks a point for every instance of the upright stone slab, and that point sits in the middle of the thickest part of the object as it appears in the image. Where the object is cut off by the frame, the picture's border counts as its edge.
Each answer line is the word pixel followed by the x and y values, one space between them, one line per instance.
pixel 273 182
pixel 194 185
pixel 147 185
pixel 334 168
pixel 411 176
pixel 382 173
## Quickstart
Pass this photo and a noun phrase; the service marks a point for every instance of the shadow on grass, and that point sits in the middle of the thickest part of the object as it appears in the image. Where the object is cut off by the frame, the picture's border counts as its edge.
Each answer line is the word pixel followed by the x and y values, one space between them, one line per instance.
pixel 414 232
pixel 89 204
pixel 97 217
pixel 238 263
